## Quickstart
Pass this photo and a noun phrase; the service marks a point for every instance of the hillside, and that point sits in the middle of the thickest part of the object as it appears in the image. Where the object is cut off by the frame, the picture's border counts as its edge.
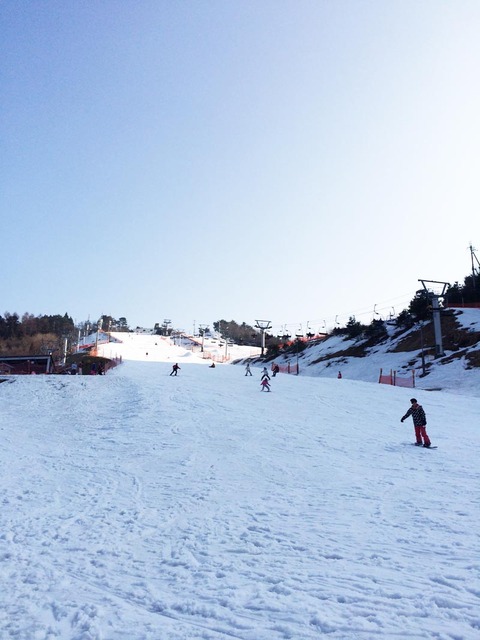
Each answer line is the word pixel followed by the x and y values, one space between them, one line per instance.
pixel 458 370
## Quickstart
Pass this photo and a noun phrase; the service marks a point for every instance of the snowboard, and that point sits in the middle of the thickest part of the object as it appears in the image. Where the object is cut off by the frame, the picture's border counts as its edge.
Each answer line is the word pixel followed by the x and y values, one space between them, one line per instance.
pixel 422 447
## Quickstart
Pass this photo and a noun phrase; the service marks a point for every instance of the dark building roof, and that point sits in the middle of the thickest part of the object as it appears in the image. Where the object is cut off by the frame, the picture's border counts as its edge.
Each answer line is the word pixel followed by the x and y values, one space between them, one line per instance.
pixel 29 364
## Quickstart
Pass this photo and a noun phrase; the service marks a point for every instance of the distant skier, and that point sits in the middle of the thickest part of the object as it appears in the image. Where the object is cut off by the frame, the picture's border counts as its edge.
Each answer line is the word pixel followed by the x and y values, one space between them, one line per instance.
pixel 175 368
pixel 339 375
pixel 265 384
pixel 275 369
pixel 212 366
pixel 419 422
pixel 247 370
pixel 265 374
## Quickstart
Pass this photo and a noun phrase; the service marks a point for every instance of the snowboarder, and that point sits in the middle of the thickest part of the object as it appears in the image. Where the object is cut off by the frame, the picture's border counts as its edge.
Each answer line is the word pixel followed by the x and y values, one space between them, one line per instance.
pixel 247 370
pixel 265 384
pixel 419 422
pixel 212 366
pixel 175 368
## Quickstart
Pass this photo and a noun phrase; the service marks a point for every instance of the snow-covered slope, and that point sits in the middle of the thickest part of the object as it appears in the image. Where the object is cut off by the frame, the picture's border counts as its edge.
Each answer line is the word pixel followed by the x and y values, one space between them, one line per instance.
pixel 139 506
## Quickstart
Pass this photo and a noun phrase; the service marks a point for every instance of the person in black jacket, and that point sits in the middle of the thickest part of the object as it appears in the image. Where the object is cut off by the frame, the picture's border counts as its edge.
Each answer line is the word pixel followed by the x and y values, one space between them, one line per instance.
pixel 419 422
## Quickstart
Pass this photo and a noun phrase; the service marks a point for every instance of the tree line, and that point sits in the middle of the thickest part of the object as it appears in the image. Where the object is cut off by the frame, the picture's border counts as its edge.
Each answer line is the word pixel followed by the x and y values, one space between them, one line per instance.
pixel 43 334
pixel 466 293
pixel 35 335
pixel 12 326
pixel 242 333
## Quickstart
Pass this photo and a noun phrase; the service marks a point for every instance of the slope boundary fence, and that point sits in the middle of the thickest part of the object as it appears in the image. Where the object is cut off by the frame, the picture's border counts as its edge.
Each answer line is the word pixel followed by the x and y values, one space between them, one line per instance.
pixel 288 368
pixel 397 380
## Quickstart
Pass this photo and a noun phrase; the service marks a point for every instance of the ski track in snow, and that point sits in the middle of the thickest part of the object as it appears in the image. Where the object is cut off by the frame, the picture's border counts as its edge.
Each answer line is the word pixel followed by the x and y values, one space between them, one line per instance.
pixel 143 506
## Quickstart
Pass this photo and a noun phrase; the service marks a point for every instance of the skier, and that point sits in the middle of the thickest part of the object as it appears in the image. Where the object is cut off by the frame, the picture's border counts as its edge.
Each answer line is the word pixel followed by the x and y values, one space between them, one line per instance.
pixel 265 384
pixel 275 369
pixel 175 368
pixel 265 374
pixel 419 422
pixel 247 370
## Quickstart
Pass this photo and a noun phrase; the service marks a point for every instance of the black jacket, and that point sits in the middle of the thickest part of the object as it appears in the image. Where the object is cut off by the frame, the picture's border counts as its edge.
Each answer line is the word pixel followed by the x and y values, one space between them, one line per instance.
pixel 418 415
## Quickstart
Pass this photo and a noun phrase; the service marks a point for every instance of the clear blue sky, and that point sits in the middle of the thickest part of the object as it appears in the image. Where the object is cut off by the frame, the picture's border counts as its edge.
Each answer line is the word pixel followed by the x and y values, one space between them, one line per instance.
pixel 284 160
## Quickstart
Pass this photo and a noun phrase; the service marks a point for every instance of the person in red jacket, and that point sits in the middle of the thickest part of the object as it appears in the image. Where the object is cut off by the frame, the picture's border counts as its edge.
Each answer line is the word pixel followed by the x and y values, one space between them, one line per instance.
pixel 265 384
pixel 419 422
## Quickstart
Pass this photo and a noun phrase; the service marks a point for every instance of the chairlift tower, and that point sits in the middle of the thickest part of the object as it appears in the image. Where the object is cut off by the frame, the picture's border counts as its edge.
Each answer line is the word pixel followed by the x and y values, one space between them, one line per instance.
pixel 166 324
pixel 99 327
pixel 202 328
pixel 263 325
pixel 434 296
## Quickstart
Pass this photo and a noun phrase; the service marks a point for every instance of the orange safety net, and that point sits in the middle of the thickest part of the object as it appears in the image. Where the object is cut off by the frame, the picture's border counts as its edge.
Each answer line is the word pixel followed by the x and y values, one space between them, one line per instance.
pixel 396 380
pixel 288 368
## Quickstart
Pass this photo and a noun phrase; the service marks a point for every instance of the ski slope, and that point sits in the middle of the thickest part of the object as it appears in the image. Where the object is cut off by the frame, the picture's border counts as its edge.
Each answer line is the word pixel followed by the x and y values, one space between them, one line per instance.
pixel 142 506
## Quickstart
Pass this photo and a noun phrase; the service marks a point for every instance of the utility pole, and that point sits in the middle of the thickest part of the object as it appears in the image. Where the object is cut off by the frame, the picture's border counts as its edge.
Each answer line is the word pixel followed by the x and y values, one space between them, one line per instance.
pixel 434 298
pixel 263 325
pixel 298 336
pixel 422 345
pixel 474 259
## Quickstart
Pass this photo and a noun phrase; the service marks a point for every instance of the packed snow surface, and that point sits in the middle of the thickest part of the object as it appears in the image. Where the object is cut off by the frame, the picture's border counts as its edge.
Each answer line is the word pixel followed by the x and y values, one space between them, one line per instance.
pixel 144 506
